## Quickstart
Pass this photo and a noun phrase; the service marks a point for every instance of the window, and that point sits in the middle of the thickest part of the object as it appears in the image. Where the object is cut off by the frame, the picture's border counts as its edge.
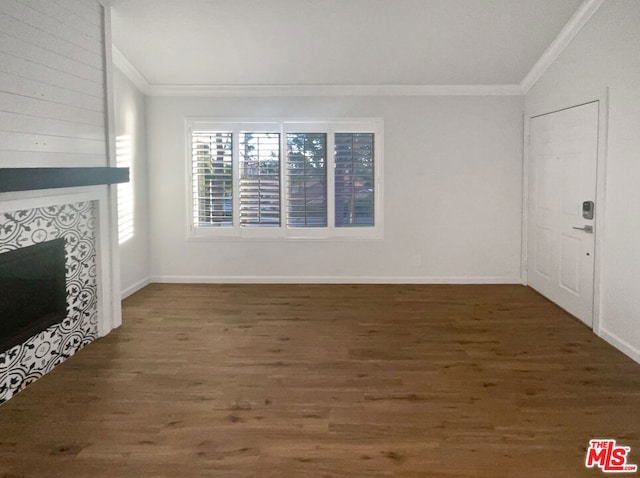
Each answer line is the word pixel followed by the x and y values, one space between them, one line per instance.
pixel 354 179
pixel 307 180
pixel 259 191
pixel 285 179
pixel 212 178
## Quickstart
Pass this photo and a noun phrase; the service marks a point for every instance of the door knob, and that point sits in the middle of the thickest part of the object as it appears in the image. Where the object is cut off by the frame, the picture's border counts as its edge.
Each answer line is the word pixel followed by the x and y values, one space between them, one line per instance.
pixel 586 228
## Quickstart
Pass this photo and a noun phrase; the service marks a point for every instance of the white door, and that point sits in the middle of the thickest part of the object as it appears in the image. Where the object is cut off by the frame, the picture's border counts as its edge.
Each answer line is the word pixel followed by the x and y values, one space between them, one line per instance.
pixel 562 187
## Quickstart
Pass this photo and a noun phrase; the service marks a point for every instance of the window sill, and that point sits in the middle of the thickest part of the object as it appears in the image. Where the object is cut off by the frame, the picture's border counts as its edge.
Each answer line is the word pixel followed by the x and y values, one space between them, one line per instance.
pixel 232 236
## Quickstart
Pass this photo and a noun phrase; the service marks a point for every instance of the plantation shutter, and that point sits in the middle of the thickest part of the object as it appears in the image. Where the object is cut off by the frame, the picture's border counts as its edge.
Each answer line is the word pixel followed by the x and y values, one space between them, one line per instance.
pixel 306 204
pixel 212 177
pixel 354 179
pixel 286 179
pixel 259 179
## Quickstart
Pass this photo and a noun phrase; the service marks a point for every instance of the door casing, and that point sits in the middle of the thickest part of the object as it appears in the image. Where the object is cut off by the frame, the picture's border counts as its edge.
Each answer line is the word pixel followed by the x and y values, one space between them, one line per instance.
pixel 552 105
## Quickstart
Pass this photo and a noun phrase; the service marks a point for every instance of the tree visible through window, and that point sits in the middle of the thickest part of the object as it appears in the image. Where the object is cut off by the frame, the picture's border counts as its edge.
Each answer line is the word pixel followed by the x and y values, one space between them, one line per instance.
pixel 307 178
pixel 354 179
pixel 259 179
pixel 212 178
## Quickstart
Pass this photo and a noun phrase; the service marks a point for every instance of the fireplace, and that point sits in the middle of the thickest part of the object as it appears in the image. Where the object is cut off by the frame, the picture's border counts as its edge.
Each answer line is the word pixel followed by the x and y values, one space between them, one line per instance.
pixel 32 291
pixel 70 239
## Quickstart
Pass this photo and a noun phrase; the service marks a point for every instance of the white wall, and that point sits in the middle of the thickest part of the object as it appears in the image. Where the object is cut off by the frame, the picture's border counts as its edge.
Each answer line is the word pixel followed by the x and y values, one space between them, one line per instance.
pixel 131 147
pixel 52 84
pixel 452 194
pixel 606 54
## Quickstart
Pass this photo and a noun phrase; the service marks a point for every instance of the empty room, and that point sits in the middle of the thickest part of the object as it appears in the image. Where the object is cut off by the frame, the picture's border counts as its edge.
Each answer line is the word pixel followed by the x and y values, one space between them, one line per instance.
pixel 319 238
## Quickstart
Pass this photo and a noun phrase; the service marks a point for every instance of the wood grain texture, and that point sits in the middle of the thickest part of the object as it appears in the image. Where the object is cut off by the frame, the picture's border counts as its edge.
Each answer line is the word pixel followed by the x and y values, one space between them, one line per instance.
pixel 328 381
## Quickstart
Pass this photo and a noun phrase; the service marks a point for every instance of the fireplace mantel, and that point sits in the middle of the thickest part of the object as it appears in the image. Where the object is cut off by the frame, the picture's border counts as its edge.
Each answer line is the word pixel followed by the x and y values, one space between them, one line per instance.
pixel 27 179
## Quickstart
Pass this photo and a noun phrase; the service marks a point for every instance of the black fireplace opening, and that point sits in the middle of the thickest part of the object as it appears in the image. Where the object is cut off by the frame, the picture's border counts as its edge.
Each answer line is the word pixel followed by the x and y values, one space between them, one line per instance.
pixel 32 291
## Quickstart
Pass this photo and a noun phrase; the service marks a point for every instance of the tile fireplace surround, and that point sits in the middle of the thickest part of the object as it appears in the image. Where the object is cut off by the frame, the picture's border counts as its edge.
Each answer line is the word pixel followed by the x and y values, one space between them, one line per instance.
pixel 79 216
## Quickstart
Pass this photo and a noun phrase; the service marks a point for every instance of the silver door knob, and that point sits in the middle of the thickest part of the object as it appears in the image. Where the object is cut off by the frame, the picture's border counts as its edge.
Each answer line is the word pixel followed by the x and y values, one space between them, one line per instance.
pixel 586 228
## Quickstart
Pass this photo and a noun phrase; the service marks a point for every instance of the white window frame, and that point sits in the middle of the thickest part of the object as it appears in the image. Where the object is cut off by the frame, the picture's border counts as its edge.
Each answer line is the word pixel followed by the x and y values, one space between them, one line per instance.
pixel 283 126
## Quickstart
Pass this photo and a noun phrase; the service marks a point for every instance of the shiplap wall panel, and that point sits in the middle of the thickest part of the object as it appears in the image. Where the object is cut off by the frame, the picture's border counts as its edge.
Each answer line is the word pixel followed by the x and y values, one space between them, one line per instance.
pixel 28 159
pixel 39 108
pixel 45 143
pixel 89 11
pixel 64 61
pixel 80 6
pixel 21 123
pixel 52 83
pixel 25 13
pixel 35 89
pixel 55 77
pixel 66 15
pixel 22 31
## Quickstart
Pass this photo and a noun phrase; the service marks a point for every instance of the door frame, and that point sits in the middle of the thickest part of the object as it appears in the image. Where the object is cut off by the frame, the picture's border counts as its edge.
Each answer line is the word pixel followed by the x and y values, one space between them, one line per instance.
pixel 554 105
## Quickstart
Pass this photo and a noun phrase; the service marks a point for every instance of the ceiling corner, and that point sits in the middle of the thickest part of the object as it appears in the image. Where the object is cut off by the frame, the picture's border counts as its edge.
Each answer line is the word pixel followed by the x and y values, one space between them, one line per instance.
pixel 562 41
pixel 130 71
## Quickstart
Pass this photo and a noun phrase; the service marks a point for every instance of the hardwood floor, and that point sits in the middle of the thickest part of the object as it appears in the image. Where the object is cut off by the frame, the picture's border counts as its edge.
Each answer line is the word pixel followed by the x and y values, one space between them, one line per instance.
pixel 328 381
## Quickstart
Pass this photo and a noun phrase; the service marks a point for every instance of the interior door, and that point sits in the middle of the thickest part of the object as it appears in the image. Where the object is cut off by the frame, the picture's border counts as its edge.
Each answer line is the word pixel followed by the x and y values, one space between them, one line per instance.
pixel 562 210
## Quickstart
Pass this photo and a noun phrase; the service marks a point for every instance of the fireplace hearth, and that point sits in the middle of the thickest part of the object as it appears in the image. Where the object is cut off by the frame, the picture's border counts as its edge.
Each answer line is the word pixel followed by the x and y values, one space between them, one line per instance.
pixel 32 291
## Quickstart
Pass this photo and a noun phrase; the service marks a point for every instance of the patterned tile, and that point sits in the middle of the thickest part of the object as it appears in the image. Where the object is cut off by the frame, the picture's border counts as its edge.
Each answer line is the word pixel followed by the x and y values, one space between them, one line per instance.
pixel 76 223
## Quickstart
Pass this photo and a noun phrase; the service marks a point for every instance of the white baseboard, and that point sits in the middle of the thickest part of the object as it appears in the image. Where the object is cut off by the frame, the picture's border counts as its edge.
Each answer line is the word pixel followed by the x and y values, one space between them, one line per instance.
pixel 621 344
pixel 135 288
pixel 333 280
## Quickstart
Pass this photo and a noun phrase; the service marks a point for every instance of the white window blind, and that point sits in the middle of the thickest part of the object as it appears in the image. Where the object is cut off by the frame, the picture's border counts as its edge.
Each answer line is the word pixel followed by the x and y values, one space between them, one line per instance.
pixel 212 178
pixel 307 180
pixel 285 179
pixel 259 179
pixel 354 179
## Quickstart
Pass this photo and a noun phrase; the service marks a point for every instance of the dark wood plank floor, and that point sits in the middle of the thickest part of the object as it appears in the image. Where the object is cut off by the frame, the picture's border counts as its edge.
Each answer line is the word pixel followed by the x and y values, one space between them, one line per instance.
pixel 328 381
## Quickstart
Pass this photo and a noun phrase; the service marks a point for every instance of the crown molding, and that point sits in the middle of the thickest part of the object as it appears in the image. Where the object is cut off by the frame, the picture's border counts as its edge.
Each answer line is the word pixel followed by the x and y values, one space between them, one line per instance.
pixel 334 90
pixel 564 38
pixel 562 41
pixel 130 71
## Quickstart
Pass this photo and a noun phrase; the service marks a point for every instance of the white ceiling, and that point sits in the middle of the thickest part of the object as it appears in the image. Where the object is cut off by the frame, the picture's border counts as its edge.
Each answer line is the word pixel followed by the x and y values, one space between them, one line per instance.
pixel 336 42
